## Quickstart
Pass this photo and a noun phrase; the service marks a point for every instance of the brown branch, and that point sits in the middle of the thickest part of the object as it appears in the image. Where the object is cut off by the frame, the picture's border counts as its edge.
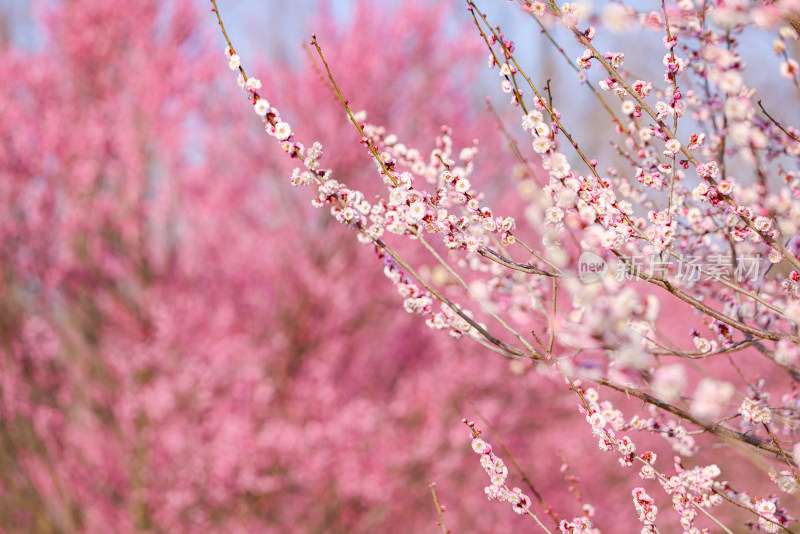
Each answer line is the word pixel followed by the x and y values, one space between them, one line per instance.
pixel 705 308
pixel 496 257
pixel 432 486
pixel 776 123
pixel 525 478
pixel 718 430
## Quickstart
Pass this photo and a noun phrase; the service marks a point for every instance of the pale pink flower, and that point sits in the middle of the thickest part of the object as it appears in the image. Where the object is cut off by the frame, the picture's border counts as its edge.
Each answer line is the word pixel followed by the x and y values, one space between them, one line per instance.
pixel 416 211
pixel 542 144
pixel 480 446
pixel 538 8
pixel 789 69
pixel 283 131
pixel 763 224
pixel 710 397
pixel 673 145
pixel 261 107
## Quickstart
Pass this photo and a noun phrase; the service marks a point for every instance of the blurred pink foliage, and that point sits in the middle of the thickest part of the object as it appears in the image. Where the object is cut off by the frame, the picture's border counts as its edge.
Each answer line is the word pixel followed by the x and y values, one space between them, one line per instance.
pixel 188 346
pixel 617 335
pixel 185 348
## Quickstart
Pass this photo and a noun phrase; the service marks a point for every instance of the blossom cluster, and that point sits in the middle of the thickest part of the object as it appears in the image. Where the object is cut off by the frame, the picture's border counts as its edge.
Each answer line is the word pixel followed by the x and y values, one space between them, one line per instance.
pixel 453 210
pixel 754 411
pixel 647 510
pixel 497 472
pixel 406 210
pixel 579 525
pixel 678 197
pixel 689 488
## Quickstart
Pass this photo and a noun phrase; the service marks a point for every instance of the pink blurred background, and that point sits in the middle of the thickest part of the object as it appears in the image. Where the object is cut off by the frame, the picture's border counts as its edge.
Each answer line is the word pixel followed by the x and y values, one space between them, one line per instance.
pixel 186 344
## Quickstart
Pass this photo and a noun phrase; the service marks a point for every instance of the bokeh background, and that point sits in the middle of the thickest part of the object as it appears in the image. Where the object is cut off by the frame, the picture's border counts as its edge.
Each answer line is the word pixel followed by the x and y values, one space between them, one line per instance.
pixel 186 345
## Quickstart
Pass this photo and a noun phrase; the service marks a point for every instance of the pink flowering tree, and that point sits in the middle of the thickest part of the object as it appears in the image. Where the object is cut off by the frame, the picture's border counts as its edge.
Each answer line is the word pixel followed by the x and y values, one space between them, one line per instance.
pixel 657 281
pixel 188 345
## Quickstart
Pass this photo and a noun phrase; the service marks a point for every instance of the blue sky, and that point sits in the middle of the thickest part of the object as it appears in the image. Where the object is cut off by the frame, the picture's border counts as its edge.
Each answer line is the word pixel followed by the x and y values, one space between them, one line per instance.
pixel 277 27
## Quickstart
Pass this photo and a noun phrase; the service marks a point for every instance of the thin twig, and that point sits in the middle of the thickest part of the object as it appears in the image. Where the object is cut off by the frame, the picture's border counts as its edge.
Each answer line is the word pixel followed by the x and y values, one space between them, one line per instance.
pixel 496 257
pixel 507 453
pixel 776 123
pixel 716 429
pixel 432 486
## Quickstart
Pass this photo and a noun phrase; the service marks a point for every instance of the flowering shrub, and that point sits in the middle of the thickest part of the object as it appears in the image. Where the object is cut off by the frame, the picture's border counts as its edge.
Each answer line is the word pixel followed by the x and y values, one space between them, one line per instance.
pixel 699 222
pixel 168 362
pixel 189 345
